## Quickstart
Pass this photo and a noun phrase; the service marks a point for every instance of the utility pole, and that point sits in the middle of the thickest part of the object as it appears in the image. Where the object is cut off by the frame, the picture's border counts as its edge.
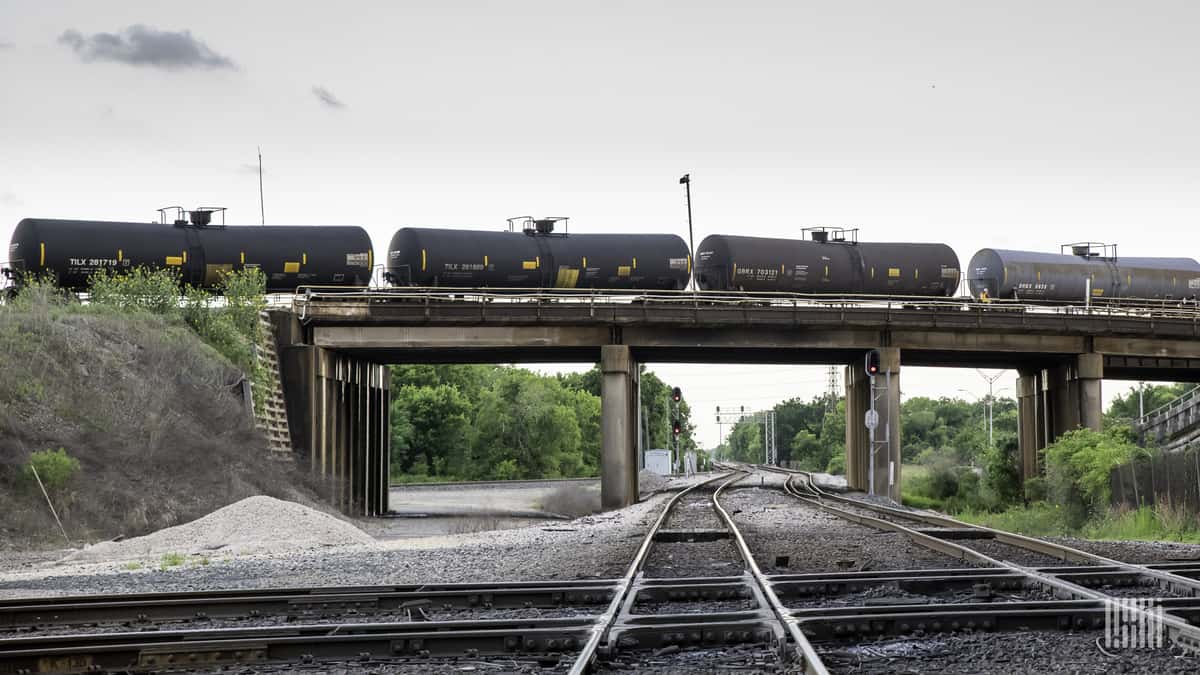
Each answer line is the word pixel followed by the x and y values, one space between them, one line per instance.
pixel 991 380
pixel 686 181
pixel 262 209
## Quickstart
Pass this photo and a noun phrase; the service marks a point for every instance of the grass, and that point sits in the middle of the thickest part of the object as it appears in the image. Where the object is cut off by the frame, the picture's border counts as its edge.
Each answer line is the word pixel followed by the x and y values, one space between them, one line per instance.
pixel 170 560
pixel 132 566
pixel 1045 520
pixel 1037 520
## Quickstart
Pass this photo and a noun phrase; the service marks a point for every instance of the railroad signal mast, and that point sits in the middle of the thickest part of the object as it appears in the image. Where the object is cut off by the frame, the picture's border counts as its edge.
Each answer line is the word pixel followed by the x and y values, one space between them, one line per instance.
pixel 676 426
pixel 763 417
pixel 872 365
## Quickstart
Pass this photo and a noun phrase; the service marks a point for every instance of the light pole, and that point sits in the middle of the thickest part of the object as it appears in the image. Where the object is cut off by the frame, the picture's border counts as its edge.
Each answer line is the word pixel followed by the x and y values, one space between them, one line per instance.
pixel 988 401
pixel 686 181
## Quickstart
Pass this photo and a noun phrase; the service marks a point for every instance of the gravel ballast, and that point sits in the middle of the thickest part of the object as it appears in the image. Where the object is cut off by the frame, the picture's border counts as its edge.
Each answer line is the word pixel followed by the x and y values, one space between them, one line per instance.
pixel 777 526
pixel 1016 652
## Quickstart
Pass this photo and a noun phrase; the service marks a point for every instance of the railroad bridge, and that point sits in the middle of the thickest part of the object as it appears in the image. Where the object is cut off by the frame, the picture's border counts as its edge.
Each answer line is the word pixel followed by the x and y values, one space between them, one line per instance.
pixel 333 346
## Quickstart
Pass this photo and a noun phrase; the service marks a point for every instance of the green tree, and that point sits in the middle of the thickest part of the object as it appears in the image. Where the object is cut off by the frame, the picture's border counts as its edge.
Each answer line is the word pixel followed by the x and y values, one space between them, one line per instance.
pixel 435 436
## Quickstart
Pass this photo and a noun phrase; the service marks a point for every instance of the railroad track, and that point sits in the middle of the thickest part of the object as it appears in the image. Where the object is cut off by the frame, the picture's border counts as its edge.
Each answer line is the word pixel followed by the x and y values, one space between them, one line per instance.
pixel 701 593
pixel 1079 603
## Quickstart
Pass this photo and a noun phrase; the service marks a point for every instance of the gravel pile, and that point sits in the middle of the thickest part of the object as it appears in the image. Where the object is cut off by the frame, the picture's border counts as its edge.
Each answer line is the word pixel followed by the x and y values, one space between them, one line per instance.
pixel 252 525
pixel 599 546
pixel 777 526
pixel 1018 652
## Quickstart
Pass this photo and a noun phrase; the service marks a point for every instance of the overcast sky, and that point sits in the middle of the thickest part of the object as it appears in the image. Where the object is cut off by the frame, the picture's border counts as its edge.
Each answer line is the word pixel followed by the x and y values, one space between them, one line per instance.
pixel 1018 124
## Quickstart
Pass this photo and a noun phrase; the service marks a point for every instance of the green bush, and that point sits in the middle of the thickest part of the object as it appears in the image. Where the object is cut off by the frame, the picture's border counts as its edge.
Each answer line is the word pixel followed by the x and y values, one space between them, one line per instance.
pixel 54 467
pixel 1078 469
pixel 837 464
pixel 1001 476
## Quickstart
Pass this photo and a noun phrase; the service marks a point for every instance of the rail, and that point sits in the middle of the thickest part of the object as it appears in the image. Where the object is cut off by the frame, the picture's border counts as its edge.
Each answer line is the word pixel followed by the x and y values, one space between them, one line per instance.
pixel 804 652
pixel 1182 632
pixel 587 656
pixel 431 296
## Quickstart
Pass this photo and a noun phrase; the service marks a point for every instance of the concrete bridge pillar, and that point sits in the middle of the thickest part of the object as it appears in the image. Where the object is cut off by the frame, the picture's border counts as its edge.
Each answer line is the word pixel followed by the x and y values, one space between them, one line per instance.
pixel 618 427
pixel 1031 434
pixel 859 440
pixel 858 392
pixel 1089 373
pixel 1073 396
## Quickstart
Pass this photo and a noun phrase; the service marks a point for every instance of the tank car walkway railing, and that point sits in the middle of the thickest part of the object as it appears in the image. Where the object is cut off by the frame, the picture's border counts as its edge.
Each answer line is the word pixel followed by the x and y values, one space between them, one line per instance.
pixel 1174 425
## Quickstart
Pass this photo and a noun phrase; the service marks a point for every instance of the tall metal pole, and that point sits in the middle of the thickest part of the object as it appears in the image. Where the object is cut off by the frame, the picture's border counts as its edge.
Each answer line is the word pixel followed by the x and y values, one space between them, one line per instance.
pixel 262 209
pixel 687 183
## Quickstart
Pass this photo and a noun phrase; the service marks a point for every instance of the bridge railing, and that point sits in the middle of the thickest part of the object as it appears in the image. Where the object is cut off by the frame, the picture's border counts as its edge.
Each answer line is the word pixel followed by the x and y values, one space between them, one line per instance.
pixel 1172 419
pixel 1150 309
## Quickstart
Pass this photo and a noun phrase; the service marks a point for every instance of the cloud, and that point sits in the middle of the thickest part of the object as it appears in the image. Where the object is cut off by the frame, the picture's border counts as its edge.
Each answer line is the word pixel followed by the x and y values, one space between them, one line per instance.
pixel 324 96
pixel 140 45
pixel 10 199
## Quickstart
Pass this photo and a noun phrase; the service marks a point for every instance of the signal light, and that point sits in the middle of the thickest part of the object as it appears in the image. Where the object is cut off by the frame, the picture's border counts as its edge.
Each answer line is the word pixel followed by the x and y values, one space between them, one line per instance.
pixel 676 394
pixel 872 364
pixel 676 428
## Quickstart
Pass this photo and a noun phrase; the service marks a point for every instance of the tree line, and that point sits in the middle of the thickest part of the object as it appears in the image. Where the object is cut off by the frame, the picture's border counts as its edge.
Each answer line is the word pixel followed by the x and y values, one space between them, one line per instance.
pixel 486 422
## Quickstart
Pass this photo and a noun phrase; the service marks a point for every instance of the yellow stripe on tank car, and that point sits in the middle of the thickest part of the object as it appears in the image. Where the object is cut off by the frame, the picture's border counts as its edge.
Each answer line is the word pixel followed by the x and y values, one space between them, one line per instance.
pixel 567 277
pixel 243 257
pixel 635 263
pixel 303 258
pixel 370 259
pixel 42 255
pixel 529 264
pixel 422 260
pixel 624 270
pixel 538 262
pixel 872 272
pixel 916 273
pixel 485 261
pixel 174 260
pixel 585 262
pixel 185 256
pixel 120 255
pixel 735 269
pixel 292 267
pixel 893 272
pixel 689 259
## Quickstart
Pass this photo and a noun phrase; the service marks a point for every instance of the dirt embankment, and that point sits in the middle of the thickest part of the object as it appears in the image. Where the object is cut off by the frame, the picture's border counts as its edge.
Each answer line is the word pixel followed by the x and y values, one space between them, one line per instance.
pixel 147 409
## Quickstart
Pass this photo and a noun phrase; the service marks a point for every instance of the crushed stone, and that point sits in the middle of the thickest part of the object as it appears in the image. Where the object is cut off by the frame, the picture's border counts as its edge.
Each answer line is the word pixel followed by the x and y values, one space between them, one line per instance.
pixel 253 525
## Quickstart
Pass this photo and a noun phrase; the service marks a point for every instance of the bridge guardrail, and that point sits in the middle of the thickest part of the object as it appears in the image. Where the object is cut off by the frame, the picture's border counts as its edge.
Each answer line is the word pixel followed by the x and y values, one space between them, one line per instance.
pixel 1145 309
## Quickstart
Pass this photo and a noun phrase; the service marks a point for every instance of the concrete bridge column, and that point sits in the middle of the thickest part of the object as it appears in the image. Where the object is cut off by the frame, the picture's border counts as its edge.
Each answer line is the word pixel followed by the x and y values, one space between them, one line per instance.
pixel 859 438
pixel 1030 422
pixel 1073 395
pixel 1089 371
pixel 858 392
pixel 618 427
